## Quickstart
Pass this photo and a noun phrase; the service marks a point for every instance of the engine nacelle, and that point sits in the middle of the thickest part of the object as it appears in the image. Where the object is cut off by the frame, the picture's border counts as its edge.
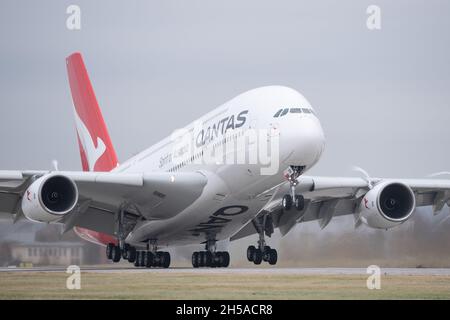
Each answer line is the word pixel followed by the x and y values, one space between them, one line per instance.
pixel 49 198
pixel 387 205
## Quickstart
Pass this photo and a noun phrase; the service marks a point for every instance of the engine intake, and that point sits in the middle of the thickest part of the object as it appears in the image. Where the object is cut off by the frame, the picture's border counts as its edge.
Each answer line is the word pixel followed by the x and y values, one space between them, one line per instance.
pixel 396 201
pixel 387 205
pixel 49 198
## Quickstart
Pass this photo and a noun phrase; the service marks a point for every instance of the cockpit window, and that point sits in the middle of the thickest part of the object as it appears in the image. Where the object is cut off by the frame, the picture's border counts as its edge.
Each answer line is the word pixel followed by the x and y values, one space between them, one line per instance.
pixel 284 112
pixel 276 115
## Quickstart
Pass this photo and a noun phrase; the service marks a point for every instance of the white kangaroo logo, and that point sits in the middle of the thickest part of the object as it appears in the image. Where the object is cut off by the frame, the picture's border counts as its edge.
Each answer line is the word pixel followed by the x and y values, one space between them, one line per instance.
pixel 92 153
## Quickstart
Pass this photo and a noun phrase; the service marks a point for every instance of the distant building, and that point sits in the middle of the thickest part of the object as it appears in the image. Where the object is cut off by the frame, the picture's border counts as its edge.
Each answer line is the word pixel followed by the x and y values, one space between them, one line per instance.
pixel 43 253
pixel 26 244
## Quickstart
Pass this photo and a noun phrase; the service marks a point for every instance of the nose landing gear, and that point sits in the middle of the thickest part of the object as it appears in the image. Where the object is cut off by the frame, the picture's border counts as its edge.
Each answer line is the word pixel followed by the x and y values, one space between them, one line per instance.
pixel 292 199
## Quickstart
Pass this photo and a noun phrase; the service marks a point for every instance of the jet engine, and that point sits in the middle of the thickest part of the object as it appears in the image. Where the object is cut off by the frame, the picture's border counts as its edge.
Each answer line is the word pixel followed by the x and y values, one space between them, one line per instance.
pixel 387 205
pixel 49 198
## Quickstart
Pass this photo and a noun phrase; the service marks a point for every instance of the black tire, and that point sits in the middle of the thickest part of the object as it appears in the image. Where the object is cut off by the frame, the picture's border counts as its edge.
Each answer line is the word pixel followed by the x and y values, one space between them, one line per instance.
pixel 142 259
pixel 218 259
pixel 159 259
pixel 138 259
pixel 109 248
pixel 250 253
pixel 208 259
pixel 149 259
pixel 266 253
pixel 225 259
pixel 125 251
pixel 195 259
pixel 257 257
pixel 273 257
pixel 201 259
pixel 132 254
pixel 299 202
pixel 287 202
pixel 116 254
pixel 165 260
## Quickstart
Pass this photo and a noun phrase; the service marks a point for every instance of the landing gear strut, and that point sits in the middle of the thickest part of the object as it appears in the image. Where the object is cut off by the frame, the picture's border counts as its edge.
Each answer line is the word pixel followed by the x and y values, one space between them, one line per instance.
pixel 263 225
pixel 210 257
pixel 124 223
pixel 292 199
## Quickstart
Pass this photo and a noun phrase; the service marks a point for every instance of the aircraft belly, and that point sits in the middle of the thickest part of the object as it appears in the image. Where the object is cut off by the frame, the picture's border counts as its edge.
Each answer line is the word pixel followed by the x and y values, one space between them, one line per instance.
pixel 217 214
pixel 208 220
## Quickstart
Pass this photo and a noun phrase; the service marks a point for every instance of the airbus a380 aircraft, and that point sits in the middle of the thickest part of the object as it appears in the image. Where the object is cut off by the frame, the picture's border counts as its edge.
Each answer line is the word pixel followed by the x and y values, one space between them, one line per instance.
pixel 168 195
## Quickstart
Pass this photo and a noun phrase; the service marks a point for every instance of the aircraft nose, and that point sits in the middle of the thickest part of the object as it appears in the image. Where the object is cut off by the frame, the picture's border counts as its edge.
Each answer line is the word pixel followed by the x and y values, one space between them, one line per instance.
pixel 302 141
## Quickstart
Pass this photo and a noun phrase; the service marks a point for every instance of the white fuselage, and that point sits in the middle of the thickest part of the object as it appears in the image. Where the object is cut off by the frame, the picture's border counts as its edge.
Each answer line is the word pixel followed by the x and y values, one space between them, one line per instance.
pixel 235 191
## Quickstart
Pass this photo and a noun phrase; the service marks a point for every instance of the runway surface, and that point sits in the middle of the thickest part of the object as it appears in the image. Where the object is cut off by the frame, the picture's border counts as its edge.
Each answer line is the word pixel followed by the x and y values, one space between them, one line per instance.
pixel 123 282
pixel 262 271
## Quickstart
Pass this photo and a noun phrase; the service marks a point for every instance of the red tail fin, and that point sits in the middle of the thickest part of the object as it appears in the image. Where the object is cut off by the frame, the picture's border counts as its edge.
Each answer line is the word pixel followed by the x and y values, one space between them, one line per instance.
pixel 96 150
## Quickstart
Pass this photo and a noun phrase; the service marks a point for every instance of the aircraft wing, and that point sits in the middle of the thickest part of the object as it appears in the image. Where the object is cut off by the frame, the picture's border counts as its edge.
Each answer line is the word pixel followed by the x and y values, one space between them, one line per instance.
pixel 328 197
pixel 156 195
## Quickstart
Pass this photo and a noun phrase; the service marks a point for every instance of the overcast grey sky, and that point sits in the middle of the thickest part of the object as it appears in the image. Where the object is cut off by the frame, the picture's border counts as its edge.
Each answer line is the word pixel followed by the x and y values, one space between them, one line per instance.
pixel 382 96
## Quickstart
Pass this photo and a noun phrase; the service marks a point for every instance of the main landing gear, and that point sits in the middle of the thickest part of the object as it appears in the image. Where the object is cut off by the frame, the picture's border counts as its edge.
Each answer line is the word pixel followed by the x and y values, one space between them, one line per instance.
pixel 210 257
pixel 148 259
pixel 292 199
pixel 264 225
pixel 140 258
pixel 257 255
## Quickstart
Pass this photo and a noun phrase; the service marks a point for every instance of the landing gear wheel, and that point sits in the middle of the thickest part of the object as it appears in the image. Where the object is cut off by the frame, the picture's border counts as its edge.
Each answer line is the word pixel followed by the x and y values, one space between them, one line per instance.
pixel 287 202
pixel 257 257
pixel 109 249
pixel 299 202
pixel 131 254
pixel 125 251
pixel 138 259
pixel 219 259
pixel 148 259
pixel 202 259
pixel 273 257
pixel 250 253
pixel 266 253
pixel 225 261
pixel 116 254
pixel 165 263
pixel 158 259
pixel 142 259
pixel 195 259
pixel 208 259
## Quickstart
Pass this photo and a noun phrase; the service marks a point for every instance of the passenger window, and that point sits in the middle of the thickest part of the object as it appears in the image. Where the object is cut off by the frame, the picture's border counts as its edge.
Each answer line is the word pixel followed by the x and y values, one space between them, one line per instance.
pixel 296 110
pixel 284 112
pixel 306 110
pixel 276 115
